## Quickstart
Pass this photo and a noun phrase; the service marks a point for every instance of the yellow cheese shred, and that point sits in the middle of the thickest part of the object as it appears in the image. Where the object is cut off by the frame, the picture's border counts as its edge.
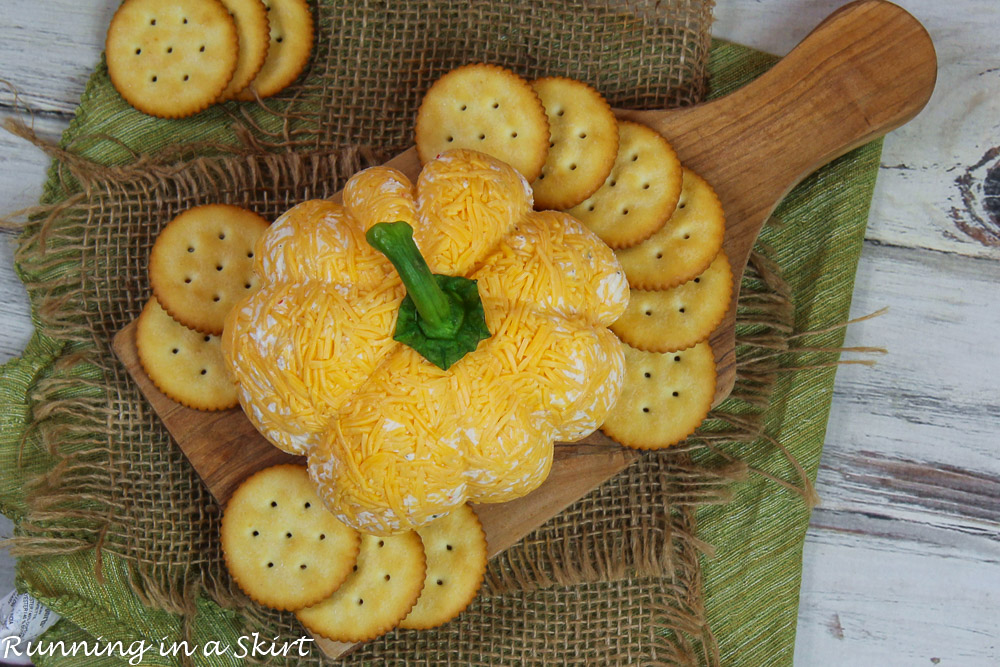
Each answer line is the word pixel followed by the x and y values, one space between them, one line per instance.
pixel 466 203
pixel 318 240
pixel 380 194
pixel 551 260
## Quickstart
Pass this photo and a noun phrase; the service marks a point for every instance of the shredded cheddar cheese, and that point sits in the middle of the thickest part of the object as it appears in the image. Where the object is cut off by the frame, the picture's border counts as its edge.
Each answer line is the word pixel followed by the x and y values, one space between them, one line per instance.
pixel 466 203
pixel 380 195
pixel 393 440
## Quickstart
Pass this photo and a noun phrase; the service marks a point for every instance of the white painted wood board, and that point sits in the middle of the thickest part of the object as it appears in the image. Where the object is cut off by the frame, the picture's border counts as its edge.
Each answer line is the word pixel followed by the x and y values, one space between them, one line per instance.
pixel 916 191
pixel 6 562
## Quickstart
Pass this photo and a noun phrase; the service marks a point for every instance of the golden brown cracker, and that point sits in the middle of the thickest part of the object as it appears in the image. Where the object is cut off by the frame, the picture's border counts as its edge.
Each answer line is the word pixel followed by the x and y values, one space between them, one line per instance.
pixel 583 142
pixel 202 264
pixel 184 364
pixel 665 397
pixel 685 246
pixel 487 109
pixel 640 193
pixel 455 547
pixel 377 596
pixel 291 43
pixel 252 26
pixel 171 58
pixel 682 316
pixel 282 546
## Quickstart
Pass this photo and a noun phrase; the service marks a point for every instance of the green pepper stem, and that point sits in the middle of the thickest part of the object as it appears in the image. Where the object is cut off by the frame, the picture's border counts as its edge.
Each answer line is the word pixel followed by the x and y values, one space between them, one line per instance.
pixel 440 315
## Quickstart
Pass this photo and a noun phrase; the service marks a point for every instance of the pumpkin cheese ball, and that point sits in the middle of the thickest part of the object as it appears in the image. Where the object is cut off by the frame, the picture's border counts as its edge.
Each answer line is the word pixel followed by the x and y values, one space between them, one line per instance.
pixel 425 345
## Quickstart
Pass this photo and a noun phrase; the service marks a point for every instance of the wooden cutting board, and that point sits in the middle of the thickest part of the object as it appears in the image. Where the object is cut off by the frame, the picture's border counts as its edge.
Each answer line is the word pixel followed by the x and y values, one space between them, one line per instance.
pixel 864 71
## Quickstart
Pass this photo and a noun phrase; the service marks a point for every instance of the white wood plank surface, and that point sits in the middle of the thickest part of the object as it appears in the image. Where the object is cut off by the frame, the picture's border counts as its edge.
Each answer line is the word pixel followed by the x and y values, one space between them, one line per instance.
pixel 894 603
pixel 6 562
pixel 902 560
pixel 49 49
pixel 22 172
pixel 916 191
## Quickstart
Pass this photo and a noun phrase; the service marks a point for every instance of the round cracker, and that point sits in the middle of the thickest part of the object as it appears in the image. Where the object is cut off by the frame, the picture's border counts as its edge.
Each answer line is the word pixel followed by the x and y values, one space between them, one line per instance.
pixel 582 146
pixel 202 264
pixel 171 59
pixel 640 193
pixel 184 364
pixel 377 596
pixel 487 109
pixel 677 318
pixel 455 548
pixel 281 545
pixel 685 246
pixel 665 397
pixel 291 43
pixel 253 28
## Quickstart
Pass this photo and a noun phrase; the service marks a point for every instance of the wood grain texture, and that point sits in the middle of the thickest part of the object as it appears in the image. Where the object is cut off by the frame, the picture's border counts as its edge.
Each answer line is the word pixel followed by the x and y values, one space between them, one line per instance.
pixel 57 36
pixel 922 465
pixel 895 603
pixel 15 314
pixel 908 584
pixel 905 548
pixel 7 574
pixel 917 192
pixel 864 71
pixel 22 173
pixel 22 166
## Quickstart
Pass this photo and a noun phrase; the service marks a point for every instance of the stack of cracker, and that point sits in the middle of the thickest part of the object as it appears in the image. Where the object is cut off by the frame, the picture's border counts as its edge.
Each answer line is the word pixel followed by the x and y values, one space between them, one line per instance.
pixel 200 265
pixel 174 58
pixel 288 552
pixel 681 288
pixel 625 183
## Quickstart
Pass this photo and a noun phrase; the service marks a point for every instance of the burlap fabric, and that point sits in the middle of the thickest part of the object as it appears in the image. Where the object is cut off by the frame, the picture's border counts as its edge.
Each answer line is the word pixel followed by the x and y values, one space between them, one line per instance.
pixel 118 535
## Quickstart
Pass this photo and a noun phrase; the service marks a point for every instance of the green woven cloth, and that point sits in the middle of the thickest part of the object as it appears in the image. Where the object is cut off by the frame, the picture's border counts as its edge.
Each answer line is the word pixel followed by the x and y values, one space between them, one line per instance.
pixel 750 583
pixel 816 234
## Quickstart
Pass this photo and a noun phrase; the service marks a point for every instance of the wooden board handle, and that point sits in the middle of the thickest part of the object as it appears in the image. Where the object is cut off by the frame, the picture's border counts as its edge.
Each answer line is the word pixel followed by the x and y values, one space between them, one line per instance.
pixel 864 71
